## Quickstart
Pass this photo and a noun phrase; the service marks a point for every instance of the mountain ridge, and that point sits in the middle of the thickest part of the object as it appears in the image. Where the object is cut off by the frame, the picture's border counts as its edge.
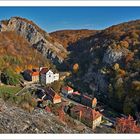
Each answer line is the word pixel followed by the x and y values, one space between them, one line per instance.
pixel 37 37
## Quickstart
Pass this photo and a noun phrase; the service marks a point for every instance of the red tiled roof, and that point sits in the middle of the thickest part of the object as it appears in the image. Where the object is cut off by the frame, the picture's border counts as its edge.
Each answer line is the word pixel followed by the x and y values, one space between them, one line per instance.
pixel 44 70
pixel 52 93
pixel 87 97
pixel 32 73
pixel 57 96
pixel 67 88
pixel 87 112
pixel 35 73
pixel 96 114
pixel 76 92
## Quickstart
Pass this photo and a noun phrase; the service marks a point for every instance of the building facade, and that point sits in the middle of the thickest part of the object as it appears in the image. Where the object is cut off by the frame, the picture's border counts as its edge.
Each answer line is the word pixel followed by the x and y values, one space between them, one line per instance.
pixel 47 76
pixel 90 117
pixel 67 90
pixel 31 75
pixel 52 96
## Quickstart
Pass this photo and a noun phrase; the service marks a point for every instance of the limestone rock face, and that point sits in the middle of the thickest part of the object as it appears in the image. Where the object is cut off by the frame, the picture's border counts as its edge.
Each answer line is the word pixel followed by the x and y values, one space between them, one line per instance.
pixel 38 38
pixel 112 55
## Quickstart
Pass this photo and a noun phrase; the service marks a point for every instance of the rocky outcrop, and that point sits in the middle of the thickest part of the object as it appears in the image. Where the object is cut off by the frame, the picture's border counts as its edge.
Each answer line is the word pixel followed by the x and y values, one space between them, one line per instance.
pixel 38 38
pixel 16 120
pixel 113 55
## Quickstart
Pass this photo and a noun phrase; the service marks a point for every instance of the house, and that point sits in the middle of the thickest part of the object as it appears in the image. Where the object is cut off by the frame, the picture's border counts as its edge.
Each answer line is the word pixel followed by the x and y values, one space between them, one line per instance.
pixel 40 93
pixel 75 96
pixel 86 115
pixel 31 75
pixel 47 94
pixel 52 96
pixel 47 76
pixel 88 101
pixel 67 90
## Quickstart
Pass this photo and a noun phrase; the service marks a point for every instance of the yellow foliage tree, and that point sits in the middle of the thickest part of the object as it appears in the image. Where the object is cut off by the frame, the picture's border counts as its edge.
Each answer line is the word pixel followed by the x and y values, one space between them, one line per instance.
pixel 116 66
pixel 30 67
pixel 18 69
pixel 75 67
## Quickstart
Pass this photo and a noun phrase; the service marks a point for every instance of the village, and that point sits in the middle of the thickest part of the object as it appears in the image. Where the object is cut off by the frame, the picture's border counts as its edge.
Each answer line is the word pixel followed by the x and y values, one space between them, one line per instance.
pixel 38 90
pixel 78 106
pixel 38 82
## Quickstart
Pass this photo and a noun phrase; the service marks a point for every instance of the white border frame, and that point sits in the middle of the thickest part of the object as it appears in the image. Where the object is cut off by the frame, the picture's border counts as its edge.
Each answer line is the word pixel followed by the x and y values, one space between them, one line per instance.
pixel 69 3
pixel 70 136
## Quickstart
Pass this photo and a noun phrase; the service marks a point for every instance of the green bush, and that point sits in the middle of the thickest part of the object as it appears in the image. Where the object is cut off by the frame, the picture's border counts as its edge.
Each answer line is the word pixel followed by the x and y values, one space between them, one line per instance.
pixel 9 77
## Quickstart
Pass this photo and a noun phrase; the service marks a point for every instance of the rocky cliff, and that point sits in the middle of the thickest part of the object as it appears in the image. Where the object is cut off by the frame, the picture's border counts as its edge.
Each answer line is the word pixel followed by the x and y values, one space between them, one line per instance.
pixel 37 38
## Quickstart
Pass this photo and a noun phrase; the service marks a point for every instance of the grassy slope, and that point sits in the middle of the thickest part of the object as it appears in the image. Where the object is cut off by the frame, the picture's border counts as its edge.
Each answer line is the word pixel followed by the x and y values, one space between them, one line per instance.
pixel 9 89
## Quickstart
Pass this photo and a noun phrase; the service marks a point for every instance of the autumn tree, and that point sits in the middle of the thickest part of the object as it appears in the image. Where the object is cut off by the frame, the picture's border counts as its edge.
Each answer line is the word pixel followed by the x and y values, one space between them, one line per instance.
pixel 134 35
pixel 75 67
pixel 18 69
pixel 116 66
pixel 124 44
pixel 29 67
pixel 122 72
pixel 129 57
pixel 127 125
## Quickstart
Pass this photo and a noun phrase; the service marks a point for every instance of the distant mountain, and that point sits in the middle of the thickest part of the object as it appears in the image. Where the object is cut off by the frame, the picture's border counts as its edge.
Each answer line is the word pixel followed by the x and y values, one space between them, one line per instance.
pixel 67 37
pixel 35 37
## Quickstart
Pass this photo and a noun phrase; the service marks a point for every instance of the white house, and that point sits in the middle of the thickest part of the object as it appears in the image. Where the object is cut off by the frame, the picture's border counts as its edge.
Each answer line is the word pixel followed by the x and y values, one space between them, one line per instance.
pixel 67 90
pixel 47 76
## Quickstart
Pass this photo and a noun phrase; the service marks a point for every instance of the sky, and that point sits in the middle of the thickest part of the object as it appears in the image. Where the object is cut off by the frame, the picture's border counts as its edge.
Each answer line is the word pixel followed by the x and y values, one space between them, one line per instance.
pixel 59 18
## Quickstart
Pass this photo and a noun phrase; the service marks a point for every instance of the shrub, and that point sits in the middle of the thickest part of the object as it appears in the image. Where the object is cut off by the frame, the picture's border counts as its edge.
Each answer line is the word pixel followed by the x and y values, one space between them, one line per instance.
pixel 9 77
pixel 127 125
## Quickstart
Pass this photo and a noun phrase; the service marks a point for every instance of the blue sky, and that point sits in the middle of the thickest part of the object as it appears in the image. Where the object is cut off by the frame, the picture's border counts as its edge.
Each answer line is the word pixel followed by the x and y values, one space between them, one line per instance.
pixel 59 18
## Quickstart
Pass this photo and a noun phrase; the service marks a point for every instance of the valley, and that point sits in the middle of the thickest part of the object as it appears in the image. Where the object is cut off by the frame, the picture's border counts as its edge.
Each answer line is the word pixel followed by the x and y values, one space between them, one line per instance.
pixel 99 71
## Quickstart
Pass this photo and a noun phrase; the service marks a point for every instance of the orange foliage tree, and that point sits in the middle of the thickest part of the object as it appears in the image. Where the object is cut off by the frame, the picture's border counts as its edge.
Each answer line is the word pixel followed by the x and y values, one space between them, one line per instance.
pixel 127 125
pixel 124 44
pixel 129 57
pixel 75 67
pixel 122 72
pixel 30 66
